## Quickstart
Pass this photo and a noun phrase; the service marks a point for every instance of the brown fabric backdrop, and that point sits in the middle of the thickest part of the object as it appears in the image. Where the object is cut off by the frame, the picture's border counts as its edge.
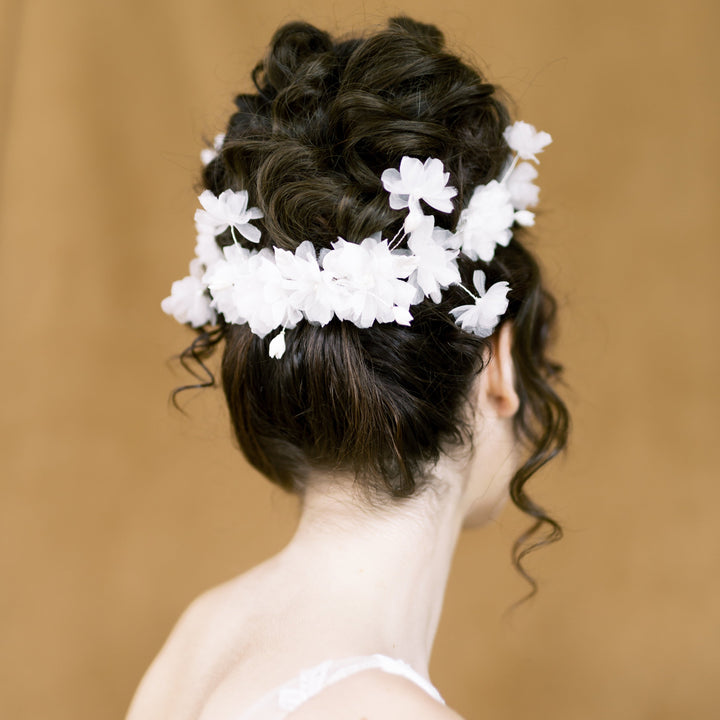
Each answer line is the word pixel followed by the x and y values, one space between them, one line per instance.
pixel 116 511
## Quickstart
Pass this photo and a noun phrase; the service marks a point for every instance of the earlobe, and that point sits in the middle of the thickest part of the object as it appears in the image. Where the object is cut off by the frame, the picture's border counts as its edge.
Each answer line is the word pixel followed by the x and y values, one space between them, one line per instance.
pixel 497 381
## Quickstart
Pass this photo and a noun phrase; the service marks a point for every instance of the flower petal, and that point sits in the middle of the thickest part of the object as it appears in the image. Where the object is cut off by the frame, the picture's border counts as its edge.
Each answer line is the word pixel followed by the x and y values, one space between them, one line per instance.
pixel 525 218
pixel 276 349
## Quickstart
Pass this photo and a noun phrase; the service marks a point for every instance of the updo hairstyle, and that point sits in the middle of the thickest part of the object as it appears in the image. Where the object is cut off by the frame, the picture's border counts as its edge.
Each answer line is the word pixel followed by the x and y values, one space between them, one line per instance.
pixel 380 404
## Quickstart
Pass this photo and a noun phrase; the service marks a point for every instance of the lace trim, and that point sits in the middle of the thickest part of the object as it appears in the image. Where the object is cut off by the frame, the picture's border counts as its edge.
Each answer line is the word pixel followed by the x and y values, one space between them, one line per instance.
pixel 310 682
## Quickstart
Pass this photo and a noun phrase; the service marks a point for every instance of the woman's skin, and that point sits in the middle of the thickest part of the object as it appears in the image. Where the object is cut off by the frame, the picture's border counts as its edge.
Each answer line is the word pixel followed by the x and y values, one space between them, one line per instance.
pixel 354 580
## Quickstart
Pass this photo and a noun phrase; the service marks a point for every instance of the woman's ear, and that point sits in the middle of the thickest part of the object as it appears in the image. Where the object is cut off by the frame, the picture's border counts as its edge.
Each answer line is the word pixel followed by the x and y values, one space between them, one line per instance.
pixel 497 394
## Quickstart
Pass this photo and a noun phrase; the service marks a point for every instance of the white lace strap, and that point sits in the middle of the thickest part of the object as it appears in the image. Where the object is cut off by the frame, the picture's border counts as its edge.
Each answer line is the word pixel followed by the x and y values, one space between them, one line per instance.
pixel 310 682
pixel 340 669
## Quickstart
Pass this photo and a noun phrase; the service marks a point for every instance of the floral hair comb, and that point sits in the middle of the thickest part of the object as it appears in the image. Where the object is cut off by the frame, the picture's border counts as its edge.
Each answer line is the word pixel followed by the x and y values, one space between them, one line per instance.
pixel 371 281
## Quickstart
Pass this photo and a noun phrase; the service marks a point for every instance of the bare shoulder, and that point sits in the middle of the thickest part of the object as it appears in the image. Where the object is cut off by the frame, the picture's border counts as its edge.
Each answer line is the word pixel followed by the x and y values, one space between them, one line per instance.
pixel 374 695
pixel 187 648
pixel 193 627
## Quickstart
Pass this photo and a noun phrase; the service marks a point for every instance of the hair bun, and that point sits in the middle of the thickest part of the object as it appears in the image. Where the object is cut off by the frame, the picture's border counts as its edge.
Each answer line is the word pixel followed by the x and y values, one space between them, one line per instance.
pixel 381 403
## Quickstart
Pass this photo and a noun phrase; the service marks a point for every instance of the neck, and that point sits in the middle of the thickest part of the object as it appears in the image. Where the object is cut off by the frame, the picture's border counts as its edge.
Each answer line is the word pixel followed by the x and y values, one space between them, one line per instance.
pixel 373 580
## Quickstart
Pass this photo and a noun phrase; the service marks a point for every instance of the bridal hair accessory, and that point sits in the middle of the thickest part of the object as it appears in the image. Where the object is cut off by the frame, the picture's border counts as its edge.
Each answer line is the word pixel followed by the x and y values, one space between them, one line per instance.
pixel 367 282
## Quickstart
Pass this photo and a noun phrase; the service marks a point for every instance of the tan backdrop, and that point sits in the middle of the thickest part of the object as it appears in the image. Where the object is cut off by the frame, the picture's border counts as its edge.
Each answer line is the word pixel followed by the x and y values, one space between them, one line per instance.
pixel 117 511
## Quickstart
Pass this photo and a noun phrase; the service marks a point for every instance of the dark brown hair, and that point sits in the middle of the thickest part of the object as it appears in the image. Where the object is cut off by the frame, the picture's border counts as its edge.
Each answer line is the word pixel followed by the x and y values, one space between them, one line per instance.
pixel 384 402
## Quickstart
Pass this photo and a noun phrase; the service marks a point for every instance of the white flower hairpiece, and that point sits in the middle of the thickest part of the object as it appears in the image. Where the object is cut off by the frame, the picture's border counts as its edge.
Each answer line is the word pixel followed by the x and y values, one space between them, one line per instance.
pixel 370 281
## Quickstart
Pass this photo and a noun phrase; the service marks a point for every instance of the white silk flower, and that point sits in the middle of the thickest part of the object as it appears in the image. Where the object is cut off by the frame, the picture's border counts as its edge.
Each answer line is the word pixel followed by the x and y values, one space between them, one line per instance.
pixel 370 276
pixel 222 279
pixel 482 317
pixel 486 221
pixel 188 302
pixel 265 297
pixel 310 288
pixel 417 181
pixel 228 210
pixel 247 287
pixel 436 251
pixel 525 140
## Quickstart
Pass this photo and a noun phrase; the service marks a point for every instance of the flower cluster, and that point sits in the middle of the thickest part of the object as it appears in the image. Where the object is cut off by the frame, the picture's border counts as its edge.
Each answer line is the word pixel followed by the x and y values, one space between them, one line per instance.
pixel 366 282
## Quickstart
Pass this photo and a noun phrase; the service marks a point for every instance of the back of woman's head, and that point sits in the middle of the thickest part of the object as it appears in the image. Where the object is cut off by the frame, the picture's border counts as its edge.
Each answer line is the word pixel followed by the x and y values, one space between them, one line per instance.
pixel 381 403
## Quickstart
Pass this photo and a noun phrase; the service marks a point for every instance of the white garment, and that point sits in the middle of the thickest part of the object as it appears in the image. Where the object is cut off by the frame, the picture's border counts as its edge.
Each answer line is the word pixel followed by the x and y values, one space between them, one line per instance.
pixel 280 702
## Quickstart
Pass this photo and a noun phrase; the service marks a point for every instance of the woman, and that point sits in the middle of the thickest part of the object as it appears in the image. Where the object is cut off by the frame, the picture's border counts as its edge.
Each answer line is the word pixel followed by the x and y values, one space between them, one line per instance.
pixel 359 253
